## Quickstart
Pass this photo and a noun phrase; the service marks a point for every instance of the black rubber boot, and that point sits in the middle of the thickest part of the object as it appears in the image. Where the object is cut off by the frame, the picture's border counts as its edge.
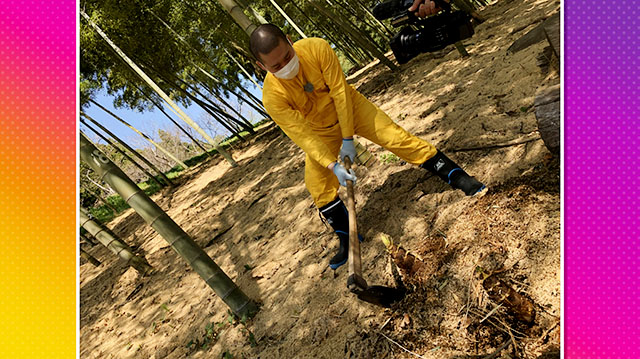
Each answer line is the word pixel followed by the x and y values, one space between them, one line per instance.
pixel 338 217
pixel 451 173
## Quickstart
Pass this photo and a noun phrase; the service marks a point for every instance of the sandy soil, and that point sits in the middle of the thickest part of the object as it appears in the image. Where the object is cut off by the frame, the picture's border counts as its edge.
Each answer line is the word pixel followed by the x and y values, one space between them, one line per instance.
pixel 259 224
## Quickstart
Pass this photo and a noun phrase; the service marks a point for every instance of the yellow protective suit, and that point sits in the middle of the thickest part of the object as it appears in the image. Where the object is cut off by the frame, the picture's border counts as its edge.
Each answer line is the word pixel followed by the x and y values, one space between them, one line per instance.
pixel 318 120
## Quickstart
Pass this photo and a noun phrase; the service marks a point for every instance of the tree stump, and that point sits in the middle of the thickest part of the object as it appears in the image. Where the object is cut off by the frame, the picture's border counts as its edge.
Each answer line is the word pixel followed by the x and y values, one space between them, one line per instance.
pixel 547 108
pixel 551 27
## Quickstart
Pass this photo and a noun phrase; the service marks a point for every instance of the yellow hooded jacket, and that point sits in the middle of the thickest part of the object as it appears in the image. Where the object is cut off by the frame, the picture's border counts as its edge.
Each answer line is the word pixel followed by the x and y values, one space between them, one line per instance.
pixel 299 112
pixel 315 119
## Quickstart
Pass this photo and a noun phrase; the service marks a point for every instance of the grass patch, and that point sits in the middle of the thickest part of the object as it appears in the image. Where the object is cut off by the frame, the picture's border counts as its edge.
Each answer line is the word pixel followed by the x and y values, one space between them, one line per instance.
pixel 389 158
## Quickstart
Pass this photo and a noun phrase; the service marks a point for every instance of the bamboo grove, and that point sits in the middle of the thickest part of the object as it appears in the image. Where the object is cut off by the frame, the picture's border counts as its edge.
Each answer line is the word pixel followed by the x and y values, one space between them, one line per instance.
pixel 146 54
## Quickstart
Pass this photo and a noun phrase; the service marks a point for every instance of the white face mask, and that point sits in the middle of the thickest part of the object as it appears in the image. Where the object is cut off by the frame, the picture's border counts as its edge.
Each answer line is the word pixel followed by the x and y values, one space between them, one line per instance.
pixel 290 70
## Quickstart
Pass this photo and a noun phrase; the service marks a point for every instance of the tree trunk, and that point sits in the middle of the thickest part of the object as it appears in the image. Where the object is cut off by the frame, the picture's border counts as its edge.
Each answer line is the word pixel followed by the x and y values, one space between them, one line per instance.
pixel 89 258
pixel 284 14
pixel 547 108
pixel 155 87
pixel 258 104
pixel 328 34
pixel 179 240
pixel 159 107
pixel 115 245
pixel 238 16
pixel 152 177
pixel 147 162
pixel 246 73
pixel 354 34
pixel 167 153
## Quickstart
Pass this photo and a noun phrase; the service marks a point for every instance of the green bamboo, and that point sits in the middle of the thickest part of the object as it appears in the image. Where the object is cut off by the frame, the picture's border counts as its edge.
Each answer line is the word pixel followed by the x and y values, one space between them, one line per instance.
pixel 347 51
pixel 238 16
pixel 355 34
pixel 124 153
pixel 179 240
pixel 115 245
pixel 183 116
pixel 291 22
pixel 124 144
pixel 159 107
pixel 88 257
pixel 169 154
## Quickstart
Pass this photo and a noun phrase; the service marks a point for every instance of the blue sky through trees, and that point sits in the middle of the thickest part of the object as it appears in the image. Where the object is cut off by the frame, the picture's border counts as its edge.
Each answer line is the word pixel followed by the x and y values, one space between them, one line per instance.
pixel 149 122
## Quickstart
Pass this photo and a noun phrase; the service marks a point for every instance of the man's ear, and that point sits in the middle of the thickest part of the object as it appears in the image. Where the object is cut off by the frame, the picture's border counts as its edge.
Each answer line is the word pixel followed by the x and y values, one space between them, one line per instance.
pixel 261 65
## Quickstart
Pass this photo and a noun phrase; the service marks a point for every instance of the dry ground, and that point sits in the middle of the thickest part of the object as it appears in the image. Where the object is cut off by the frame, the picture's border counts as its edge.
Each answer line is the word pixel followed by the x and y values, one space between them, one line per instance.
pixel 259 216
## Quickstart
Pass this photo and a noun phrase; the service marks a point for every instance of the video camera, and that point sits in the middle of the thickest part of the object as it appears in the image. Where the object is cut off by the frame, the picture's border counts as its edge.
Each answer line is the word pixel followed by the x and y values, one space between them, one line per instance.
pixel 434 33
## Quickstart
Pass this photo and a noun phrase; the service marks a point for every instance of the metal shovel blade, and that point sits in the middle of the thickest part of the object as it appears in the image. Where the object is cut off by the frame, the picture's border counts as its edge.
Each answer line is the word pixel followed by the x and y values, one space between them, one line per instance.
pixel 381 295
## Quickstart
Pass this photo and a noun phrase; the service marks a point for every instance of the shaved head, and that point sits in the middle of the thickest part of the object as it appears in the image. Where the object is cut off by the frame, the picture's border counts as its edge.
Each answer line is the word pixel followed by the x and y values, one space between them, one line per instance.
pixel 264 39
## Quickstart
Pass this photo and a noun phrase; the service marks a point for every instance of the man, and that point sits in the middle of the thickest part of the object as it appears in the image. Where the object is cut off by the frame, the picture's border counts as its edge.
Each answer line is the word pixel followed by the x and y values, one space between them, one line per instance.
pixel 307 95
pixel 424 8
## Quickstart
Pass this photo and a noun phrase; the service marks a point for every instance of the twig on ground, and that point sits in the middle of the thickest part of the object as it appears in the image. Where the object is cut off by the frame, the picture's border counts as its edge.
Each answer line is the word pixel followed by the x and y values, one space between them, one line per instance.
pixel 513 339
pixel 497 352
pixel 546 332
pixel 514 343
pixel 490 313
pixel 401 347
pixel 546 311
pixel 466 314
pixel 492 323
pixel 385 323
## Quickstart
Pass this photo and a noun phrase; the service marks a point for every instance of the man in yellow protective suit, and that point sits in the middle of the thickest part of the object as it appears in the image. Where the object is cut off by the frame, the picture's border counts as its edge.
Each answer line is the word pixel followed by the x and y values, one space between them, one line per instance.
pixel 307 95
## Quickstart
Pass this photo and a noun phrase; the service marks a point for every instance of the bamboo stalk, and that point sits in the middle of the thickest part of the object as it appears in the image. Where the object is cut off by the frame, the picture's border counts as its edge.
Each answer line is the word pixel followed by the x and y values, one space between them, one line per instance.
pixel 355 34
pixel 155 87
pixel 115 245
pixel 179 240
pixel 284 14
pixel 169 154
pixel 124 153
pixel 159 107
pixel 88 257
pixel 124 144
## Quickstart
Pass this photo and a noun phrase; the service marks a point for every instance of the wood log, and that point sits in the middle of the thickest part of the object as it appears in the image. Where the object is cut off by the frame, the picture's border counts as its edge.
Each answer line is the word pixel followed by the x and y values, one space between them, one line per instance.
pixel 551 28
pixel 547 109
pixel 538 33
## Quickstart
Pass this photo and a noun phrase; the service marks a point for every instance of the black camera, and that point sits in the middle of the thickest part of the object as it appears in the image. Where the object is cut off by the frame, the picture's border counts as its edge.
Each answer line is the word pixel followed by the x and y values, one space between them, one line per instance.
pixel 433 33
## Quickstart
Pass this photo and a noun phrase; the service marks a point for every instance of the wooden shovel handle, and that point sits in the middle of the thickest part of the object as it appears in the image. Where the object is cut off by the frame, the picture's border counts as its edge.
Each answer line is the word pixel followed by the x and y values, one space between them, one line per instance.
pixel 355 281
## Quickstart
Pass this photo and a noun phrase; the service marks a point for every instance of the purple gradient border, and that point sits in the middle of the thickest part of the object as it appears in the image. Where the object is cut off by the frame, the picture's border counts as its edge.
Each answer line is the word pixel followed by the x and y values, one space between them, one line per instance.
pixel 601 189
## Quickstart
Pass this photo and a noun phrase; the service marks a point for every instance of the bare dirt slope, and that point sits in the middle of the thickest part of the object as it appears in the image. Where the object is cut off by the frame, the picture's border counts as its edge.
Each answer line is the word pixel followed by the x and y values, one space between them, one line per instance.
pixel 259 224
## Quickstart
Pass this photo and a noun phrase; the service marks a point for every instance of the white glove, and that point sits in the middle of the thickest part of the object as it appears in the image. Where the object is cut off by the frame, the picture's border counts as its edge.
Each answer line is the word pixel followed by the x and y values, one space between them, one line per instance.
pixel 348 150
pixel 343 175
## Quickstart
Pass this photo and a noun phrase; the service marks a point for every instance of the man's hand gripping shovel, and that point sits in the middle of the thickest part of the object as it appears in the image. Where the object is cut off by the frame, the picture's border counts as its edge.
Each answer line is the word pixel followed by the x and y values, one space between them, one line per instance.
pixel 377 294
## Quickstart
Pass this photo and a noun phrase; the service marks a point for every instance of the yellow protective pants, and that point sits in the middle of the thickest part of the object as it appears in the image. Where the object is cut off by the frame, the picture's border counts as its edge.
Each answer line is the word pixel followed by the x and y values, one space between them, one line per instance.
pixel 373 124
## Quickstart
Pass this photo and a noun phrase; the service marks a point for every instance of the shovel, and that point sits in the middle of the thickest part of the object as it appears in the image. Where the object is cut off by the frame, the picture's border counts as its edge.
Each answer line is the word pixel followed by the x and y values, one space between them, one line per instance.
pixel 377 294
